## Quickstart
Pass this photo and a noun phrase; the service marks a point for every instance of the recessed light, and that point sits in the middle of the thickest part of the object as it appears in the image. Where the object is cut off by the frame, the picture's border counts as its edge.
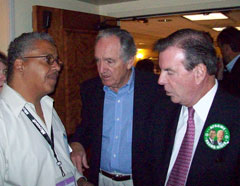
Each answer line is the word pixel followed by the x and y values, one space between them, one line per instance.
pixel 219 29
pixel 210 16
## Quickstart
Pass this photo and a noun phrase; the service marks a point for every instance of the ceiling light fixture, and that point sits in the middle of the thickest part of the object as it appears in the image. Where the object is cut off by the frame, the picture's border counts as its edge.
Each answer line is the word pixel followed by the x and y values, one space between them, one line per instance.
pixel 219 29
pixel 201 17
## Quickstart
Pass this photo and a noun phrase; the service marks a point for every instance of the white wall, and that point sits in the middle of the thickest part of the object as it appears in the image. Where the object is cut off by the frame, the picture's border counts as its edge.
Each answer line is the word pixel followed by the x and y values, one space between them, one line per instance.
pixel 148 7
pixel 5 25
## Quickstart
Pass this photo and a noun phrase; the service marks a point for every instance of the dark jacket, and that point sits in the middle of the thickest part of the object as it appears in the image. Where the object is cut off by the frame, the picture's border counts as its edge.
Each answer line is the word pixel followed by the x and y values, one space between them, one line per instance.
pixel 209 167
pixel 231 80
pixel 89 132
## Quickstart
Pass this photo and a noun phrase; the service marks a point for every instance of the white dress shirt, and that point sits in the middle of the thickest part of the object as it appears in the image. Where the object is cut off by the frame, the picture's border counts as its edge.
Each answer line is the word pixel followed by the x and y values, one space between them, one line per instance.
pixel 26 158
pixel 201 108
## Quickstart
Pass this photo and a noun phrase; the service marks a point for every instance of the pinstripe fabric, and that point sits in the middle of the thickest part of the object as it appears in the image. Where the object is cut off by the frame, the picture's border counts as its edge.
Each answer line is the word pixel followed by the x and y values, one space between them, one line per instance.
pixel 180 169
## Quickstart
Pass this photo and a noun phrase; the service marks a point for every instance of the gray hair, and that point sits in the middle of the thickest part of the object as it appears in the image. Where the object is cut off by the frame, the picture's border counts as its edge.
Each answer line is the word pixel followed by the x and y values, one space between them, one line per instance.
pixel 128 47
pixel 22 44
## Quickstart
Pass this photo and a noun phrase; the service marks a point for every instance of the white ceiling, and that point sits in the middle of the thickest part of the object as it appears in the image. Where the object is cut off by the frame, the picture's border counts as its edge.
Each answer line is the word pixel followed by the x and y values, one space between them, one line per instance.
pixel 105 2
pixel 156 27
pixel 146 33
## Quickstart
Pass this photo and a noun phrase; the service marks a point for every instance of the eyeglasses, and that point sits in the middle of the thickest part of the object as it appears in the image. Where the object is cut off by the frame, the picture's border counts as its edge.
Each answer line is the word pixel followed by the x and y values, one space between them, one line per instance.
pixel 49 59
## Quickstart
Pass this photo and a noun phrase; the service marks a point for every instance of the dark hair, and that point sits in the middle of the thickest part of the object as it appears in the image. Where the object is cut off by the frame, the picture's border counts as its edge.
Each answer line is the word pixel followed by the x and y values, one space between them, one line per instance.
pixel 230 36
pixel 208 35
pixel 128 47
pixel 22 44
pixel 3 58
pixel 196 46
pixel 145 65
pixel 212 130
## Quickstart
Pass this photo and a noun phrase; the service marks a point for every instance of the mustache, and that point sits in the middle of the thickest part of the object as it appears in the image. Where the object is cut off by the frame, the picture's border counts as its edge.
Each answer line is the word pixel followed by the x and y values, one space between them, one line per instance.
pixel 54 74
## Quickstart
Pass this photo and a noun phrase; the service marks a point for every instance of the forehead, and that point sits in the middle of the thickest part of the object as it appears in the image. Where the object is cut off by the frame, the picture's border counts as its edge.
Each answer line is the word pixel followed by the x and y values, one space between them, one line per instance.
pixel 42 46
pixel 171 57
pixel 108 46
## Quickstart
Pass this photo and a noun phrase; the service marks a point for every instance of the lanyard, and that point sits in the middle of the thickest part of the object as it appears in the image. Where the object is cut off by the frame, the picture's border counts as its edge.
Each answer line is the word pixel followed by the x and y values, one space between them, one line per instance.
pixel 45 135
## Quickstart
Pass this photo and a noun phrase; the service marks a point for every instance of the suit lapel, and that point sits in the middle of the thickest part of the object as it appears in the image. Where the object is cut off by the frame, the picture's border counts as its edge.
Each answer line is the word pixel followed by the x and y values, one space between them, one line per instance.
pixel 169 137
pixel 205 156
pixel 138 103
pixel 236 67
pixel 98 107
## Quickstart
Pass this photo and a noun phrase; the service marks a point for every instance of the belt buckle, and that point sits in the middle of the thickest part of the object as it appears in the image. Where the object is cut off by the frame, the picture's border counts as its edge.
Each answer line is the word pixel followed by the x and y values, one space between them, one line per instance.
pixel 119 177
pixel 116 177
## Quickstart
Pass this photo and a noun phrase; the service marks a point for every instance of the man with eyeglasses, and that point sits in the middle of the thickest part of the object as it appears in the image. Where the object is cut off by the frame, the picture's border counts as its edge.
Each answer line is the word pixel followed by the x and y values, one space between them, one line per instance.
pixel 33 143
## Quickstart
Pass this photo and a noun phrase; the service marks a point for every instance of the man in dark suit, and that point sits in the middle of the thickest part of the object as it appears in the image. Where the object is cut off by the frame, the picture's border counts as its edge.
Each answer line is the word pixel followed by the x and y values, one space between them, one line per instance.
pixel 116 115
pixel 183 154
pixel 228 41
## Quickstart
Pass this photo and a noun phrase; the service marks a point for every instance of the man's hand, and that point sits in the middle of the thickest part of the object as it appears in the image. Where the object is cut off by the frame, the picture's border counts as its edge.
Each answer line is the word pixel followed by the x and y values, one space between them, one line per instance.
pixel 83 182
pixel 79 157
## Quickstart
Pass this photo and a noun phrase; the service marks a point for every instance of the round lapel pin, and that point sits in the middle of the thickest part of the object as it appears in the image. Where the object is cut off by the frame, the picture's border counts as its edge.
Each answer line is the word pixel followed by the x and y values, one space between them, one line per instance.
pixel 217 136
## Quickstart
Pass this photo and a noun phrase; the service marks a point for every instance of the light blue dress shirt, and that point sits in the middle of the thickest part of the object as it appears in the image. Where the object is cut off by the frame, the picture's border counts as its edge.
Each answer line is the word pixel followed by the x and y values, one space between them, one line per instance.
pixel 116 153
pixel 230 65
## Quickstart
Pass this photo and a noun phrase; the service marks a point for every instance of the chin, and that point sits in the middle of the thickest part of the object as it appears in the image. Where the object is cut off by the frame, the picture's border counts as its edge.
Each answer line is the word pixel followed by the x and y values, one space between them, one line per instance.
pixel 107 83
pixel 174 100
pixel 50 89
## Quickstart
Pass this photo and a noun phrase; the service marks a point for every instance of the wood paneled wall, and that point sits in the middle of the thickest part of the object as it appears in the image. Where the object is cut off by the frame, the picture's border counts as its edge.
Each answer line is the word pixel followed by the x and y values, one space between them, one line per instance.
pixel 74 33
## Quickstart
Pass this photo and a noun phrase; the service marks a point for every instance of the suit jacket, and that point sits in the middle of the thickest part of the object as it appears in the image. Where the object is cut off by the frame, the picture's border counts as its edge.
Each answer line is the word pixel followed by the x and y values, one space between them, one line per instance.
pixel 89 133
pixel 231 80
pixel 209 167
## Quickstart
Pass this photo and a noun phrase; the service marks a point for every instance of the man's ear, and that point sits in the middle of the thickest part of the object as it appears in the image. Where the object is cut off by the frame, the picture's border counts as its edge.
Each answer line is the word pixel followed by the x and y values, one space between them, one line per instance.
pixel 18 65
pixel 130 62
pixel 200 72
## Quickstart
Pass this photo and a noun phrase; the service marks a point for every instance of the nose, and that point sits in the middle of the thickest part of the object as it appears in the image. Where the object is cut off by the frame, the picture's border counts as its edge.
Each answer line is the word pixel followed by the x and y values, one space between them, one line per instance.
pixel 101 67
pixel 161 79
pixel 57 66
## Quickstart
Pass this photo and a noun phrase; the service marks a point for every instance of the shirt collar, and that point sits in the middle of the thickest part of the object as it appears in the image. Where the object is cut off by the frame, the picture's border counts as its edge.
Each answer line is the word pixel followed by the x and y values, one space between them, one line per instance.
pixel 202 107
pixel 16 102
pixel 230 65
pixel 129 85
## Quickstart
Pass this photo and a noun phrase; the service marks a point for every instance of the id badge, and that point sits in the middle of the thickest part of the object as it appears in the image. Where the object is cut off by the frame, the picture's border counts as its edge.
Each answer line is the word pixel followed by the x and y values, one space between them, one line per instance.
pixel 67 180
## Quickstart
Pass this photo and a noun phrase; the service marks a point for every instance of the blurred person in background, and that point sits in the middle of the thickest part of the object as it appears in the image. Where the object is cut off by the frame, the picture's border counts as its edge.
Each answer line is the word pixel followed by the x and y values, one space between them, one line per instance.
pixel 146 65
pixel 3 69
pixel 229 43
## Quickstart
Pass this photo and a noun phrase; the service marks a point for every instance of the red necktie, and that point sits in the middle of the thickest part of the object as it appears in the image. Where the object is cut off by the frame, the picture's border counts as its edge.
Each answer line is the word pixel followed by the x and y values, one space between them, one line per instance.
pixel 178 176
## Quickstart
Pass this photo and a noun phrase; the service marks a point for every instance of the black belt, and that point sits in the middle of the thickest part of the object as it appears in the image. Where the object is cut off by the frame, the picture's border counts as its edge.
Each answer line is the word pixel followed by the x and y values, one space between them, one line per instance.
pixel 116 177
